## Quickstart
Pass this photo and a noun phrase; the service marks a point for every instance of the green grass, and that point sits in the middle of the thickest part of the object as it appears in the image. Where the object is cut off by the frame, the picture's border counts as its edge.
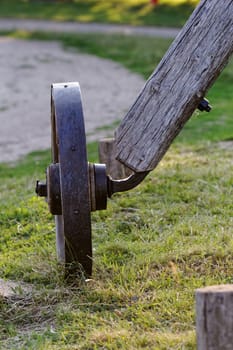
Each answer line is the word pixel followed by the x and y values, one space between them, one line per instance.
pixel 135 12
pixel 152 248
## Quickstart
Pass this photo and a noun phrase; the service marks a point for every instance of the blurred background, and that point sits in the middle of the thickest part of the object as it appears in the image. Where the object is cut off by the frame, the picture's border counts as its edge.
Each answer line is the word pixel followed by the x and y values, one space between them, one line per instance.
pixel 136 12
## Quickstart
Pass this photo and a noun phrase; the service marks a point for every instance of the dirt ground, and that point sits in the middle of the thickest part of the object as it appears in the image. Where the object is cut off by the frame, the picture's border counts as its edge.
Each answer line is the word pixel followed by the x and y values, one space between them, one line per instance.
pixel 27 70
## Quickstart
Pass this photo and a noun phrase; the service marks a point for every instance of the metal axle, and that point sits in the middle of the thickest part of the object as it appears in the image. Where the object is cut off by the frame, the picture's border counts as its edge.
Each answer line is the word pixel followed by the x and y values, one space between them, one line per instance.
pixel 101 186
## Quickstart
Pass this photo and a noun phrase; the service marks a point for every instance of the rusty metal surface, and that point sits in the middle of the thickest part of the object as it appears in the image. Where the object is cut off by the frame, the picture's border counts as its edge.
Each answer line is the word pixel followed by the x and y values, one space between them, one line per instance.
pixel 69 150
pixel 101 186
pixel 98 186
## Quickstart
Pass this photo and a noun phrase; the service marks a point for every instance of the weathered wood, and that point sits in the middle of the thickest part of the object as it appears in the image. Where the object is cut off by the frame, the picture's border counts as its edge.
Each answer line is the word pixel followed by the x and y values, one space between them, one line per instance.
pixel 114 168
pixel 174 90
pixel 214 318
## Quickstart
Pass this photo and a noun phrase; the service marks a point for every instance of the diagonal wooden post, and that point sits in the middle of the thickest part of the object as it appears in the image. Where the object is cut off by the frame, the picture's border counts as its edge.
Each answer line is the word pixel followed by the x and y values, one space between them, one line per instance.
pixel 175 89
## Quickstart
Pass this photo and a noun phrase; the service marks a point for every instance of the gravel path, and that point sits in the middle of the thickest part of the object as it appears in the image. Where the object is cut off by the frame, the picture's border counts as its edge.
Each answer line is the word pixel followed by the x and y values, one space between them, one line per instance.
pixel 27 69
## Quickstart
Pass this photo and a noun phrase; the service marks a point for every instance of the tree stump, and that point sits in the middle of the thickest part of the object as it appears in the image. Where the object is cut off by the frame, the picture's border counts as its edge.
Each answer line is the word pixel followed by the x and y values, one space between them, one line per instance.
pixel 214 317
pixel 114 168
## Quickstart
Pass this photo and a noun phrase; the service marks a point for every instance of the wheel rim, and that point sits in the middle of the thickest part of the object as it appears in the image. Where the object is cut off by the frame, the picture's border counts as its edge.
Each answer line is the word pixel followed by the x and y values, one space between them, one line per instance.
pixel 73 227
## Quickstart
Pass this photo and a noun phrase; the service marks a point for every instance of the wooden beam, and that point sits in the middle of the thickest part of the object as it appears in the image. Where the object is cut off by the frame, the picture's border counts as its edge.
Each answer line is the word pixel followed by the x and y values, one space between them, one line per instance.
pixel 174 90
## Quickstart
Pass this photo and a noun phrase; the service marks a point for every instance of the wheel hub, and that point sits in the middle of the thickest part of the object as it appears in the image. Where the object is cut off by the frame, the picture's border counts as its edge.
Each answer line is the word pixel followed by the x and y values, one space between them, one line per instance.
pixel 74 187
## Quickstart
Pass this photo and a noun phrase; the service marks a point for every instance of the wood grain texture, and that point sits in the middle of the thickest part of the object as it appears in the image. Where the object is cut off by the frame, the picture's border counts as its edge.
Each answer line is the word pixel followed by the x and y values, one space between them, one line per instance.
pixel 174 90
pixel 114 168
pixel 214 317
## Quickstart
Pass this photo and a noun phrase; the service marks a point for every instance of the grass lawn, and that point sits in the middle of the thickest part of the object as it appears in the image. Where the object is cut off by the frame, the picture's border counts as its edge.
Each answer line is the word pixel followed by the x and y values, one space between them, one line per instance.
pixel 152 248
pixel 135 12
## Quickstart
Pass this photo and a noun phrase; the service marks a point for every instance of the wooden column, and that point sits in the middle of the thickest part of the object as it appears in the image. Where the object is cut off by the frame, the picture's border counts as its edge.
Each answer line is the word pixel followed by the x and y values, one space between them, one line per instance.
pixel 176 87
pixel 114 168
pixel 214 317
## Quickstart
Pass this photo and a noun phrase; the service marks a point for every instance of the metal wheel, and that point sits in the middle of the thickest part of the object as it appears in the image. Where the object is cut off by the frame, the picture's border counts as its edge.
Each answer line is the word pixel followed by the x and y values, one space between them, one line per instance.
pixel 73 226
pixel 73 187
